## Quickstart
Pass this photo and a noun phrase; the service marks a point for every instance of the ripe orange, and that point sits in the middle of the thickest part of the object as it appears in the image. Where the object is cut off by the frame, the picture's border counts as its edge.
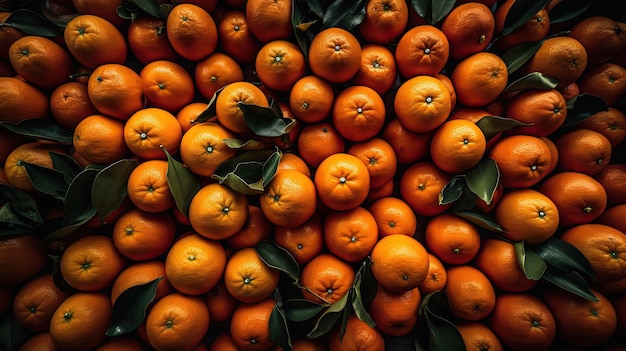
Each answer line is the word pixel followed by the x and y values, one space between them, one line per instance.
pixel 350 235
pixel 238 41
pixel 422 104
pixel 606 81
pixel 304 242
pixel 100 139
pixel 358 113
pixel 613 180
pixel 523 160
pixel 384 21
pixel 393 216
pixel 8 142
pixel 584 151
pixel 33 152
pixel 202 148
pixel 70 104
pixel 191 31
pixel 249 326
pixel 8 35
pixel 535 29
pixel 479 79
pixel 269 20
pixel 21 258
pixel 395 313
pixel 115 90
pixel 546 110
pixel 601 36
pixel 35 303
pixel 457 146
pixel 470 293
pixel 289 199
pixel 142 273
pixel 257 228
pixel 611 124
pixel 177 322
pixel 469 28
pixel 94 41
pixel 148 188
pixel 80 322
pixel 420 186
pixel 422 50
pixel 342 182
pixel 326 278
pixel 478 336
pixel 147 40
pixel 149 130
pixel 358 336
pixel 408 146
pixel 21 101
pixel 452 239
pixel 399 262
pixel 194 264
pixel 223 342
pixel 335 55
pixel 614 217
pixel 562 58
pixel 188 115
pixel 41 61
pixel 100 8
pixel 291 160
pixel 123 343
pixel 215 72
pixel 318 141
pixel 311 99
pixel 142 236
pixel 436 278
pixel 218 212
pixel 39 342
pixel 227 103
pixel 496 258
pixel 554 154
pixel 220 302
pixel 247 278
pixel 378 68
pixel 279 64
pixel 167 85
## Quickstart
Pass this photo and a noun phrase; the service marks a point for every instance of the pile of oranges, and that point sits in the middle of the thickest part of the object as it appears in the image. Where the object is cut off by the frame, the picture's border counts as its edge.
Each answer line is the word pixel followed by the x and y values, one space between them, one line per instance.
pixel 334 175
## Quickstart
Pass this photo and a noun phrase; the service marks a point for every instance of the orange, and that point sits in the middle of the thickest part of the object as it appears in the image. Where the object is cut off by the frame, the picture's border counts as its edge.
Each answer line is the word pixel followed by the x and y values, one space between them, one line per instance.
pixel 303 242
pixel 350 235
pixel 584 151
pixel 562 58
pixel 187 115
pixel 436 278
pixel 148 188
pixel 497 259
pixel 554 154
pixel 470 293
pixel 70 104
pixel 523 160
pixel 611 124
pixel 342 182
pixel 309 345
pixel 399 262
pixel 39 342
pixel 123 343
pixel 289 199
pixel 194 264
pixel 613 180
pixel 408 146
pixel 151 129
pixel 80 322
pixel 384 190
pixel 8 35
pixel 578 197
pixel 247 278
pixel 256 229
pixel 147 40
pixel 527 215
pixel 479 79
pixel 311 99
pixel 291 160
pixel 546 110
pixel 448 84
pixel 570 91
pixel 535 29
pixel 393 216
pixel 223 342
pixel 208 5
pixel 21 101
pixel 115 90
pixel 604 248
pixel 279 64
pixel 457 146
pixel 335 55
pixel 238 41
pixel 215 72
pixel 100 139
pixel 395 313
pixel 478 336
pixel 422 104
pixel 41 61
pixel 422 50
pixel 269 19
pixel 384 21
pixel 22 257
pixel 177 322
pixel 227 103
pixel 452 239
pixel 202 148
pixel 142 273
pixel 142 236
pixel 167 85
pixel 9 141
pixel 91 263
pixel 318 141
pixel 579 321
pixel 36 153
pixel 326 278
pixel 94 41
pixel 191 31
pixel 100 8
pixel 249 326
pixel 601 36
pixel 614 217
pixel 606 81
pixel 420 186
pixel 35 303
pixel 378 68
pixel 358 113
pixel 220 302
pixel 218 212
pixel 469 28
pixel 358 336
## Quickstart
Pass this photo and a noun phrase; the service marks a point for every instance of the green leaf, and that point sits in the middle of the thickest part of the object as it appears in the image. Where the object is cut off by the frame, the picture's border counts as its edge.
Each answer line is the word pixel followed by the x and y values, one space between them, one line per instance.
pixel 521 12
pixel 518 55
pixel 442 334
pixel 47 180
pixel 124 12
pixel 532 81
pixel 300 310
pixel 279 258
pixel 130 308
pixel 582 107
pixel 57 276
pixel 452 191
pixel 564 256
pixel 423 9
pixel 345 14
pixel 328 319
pixel 441 8
pixel 369 285
pixel 482 220
pixel 32 23
pixel 492 125
pixel 210 110
pixel 11 224
pixel 266 121
pixel 271 166
pixel 345 315
pixel 564 11
pixel 78 206
pixel 315 6
pixel 66 165
pixel 357 300
pixel 183 183
pixel 297 20
pixel 12 333
pixel 572 282
pixel 279 328
pixel 531 264
pixel 483 179
pixel 246 145
pixel 40 128
pixel 150 7
pixel 21 205
pixel 249 172
pixel 110 186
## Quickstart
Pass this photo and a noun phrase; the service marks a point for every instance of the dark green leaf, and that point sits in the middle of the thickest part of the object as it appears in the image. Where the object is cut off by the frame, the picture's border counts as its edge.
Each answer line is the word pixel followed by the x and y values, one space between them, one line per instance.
pixel 183 183
pixel 466 202
pixel 210 111
pixel 423 9
pixel 518 55
pixel 47 180
pixel 10 225
pixel 271 166
pixel 63 232
pixel 279 330
pixel 247 145
pixel 492 125
pixel 328 319
pixel 130 308
pixel 66 165
pixel 266 121
pixel 534 80
pixel 520 13
pixel 345 315
pixel 582 107
pixel 249 172
pixel 279 258
pixel 572 282
pixel 12 333
pixel 357 301
pixel 300 310
pixel 483 179
pixel 57 276
pixel 78 207
pixel 150 7
pixel 482 220
pixel 369 285
pixel 441 8
pixel 345 14
pixel 316 7
pixel 110 186
pixel 452 191
pixel 442 334
pixel 40 128
pixel 564 11
pixel 125 13
pixel 531 264
pixel 32 23
pixel 564 256
pixel 297 21
pixel 21 205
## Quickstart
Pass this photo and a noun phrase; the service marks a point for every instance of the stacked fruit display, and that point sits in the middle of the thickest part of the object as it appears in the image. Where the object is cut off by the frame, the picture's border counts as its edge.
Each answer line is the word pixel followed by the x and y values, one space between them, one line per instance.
pixel 312 175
